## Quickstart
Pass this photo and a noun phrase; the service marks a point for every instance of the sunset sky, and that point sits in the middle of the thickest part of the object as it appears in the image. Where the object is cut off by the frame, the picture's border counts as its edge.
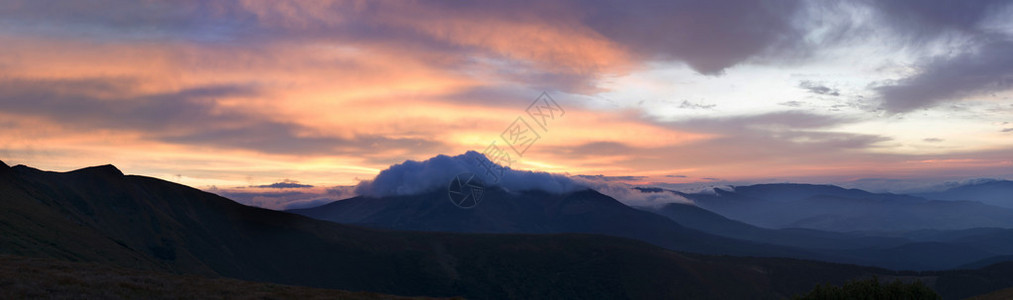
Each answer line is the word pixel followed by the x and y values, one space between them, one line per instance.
pixel 328 93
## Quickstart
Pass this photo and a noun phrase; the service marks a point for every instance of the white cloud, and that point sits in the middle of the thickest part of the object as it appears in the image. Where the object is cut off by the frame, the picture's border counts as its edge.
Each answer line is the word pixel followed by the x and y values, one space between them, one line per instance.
pixel 417 177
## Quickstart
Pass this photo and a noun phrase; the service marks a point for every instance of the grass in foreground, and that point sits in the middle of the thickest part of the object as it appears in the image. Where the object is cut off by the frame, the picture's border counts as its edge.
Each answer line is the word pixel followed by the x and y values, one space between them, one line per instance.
pixel 41 278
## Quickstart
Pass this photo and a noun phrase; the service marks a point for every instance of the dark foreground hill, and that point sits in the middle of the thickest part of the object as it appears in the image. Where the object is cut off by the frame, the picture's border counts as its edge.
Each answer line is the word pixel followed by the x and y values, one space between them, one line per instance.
pixel 99 215
pixel 45 278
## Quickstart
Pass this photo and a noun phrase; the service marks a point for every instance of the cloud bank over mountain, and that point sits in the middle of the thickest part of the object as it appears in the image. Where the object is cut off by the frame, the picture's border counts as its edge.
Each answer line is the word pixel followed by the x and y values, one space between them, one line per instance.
pixel 417 177
pixel 628 195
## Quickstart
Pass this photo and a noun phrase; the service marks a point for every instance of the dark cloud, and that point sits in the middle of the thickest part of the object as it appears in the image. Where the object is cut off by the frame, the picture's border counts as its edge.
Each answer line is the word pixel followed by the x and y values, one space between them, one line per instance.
pixel 282 200
pixel 933 140
pixel 103 102
pixel 187 116
pixel 792 103
pixel 676 176
pixel 344 190
pixel 1007 130
pixel 984 66
pixel 286 184
pixel 986 69
pixel 709 36
pixel 919 20
pixel 123 19
pixel 817 88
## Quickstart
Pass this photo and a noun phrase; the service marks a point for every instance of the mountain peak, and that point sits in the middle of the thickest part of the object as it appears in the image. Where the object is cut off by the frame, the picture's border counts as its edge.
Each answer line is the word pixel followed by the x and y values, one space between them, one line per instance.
pixel 107 169
pixel 4 166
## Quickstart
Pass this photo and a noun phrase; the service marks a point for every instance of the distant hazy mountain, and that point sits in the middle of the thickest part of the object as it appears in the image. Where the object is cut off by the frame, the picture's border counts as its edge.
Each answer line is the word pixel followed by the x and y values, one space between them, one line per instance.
pixel 998 193
pixel 922 250
pixel 701 219
pixel 831 208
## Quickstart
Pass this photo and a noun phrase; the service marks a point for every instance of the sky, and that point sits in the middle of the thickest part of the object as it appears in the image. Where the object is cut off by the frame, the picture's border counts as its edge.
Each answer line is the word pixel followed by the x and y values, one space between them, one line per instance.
pixel 313 97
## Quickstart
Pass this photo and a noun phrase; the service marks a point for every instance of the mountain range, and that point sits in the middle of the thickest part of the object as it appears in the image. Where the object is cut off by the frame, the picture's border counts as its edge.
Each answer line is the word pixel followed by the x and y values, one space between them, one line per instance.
pixel 832 208
pixel 99 215
pixel 991 192
pixel 675 226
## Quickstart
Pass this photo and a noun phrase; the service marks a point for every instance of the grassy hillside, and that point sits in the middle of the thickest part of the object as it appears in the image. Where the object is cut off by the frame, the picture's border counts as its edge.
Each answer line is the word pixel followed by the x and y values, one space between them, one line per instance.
pixel 39 278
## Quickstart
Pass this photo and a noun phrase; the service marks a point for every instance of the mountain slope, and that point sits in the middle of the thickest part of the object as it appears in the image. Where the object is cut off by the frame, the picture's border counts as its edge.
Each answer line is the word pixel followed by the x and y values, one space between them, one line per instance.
pixel 500 211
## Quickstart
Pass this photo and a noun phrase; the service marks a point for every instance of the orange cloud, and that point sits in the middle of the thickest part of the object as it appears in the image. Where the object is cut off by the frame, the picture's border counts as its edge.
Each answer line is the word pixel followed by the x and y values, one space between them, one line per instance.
pixel 330 92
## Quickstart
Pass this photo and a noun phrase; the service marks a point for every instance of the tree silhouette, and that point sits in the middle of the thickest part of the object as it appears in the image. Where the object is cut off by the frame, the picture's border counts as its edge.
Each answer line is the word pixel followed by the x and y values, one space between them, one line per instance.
pixel 871 289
